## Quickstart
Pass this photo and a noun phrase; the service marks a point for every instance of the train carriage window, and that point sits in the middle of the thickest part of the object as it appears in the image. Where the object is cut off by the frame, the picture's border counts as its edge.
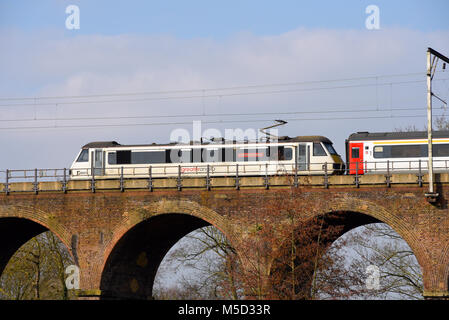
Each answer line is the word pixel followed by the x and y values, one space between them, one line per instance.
pixel 197 155
pixel 229 154
pixel 239 155
pixel 381 152
pixel 273 153
pixel 187 156
pixel 424 150
pixel 318 150
pixel 124 157
pixel 378 152
pixel 263 154
pixel 212 155
pixel 84 156
pixel 355 153
pixel 112 158
pixel 401 151
pixel 302 150
pixel 288 153
pixel 147 157
pixel 253 154
pixel 243 154
pixel 180 155
pixel 441 150
pixel 407 151
pixel 280 153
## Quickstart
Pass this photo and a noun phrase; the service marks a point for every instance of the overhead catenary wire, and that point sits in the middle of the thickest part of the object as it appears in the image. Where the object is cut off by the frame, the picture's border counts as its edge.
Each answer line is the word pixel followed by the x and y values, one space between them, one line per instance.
pixel 374 109
pixel 35 102
pixel 202 96
pixel 56 126
pixel 213 89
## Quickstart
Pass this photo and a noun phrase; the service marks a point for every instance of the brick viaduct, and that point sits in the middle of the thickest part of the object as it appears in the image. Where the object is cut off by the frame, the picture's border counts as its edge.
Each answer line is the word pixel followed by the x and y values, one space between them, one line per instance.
pixel 118 239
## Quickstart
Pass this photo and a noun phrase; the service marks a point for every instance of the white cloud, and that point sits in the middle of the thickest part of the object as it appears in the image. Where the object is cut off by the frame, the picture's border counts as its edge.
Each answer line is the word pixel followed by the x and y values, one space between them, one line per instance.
pixel 50 64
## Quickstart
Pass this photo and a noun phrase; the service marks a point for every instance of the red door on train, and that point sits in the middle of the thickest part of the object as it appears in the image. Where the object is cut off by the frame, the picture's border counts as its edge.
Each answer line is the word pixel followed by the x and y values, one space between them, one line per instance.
pixel 356 158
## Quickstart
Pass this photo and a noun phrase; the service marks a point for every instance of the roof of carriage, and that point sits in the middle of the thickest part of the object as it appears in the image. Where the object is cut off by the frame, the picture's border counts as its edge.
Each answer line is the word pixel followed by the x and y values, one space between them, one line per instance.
pixel 362 136
pixel 112 144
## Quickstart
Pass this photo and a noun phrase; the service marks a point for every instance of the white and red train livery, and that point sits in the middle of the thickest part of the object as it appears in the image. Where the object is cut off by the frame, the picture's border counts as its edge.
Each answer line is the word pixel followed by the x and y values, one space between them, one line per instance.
pixel 366 153
pixel 395 152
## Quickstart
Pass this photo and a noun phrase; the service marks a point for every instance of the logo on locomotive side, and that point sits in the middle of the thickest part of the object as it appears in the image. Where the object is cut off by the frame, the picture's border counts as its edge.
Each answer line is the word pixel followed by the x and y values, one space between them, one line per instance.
pixel 197 169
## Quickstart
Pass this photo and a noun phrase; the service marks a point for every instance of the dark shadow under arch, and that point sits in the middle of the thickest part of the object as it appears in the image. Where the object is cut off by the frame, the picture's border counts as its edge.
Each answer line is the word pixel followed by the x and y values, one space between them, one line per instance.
pixel 131 267
pixel 15 232
pixel 348 220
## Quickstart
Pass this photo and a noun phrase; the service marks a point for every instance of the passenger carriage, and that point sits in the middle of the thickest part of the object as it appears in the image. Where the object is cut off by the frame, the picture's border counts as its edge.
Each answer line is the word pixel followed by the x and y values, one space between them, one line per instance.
pixel 396 152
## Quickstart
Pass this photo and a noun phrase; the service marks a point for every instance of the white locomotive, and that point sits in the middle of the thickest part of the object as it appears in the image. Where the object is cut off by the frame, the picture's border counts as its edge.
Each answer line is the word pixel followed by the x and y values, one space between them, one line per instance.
pixel 304 155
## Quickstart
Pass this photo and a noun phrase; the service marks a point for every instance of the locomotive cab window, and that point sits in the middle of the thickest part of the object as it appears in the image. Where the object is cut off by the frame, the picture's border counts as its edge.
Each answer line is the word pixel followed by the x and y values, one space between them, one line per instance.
pixel 330 148
pixel 84 156
pixel 318 150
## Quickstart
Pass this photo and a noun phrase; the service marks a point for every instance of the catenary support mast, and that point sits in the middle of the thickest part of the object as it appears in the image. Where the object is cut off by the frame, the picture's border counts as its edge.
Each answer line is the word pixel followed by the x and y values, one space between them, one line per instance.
pixel 432 60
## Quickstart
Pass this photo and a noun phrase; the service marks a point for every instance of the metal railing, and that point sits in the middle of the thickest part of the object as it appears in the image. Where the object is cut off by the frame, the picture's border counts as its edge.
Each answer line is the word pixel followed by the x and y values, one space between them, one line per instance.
pixel 35 176
pixel 214 170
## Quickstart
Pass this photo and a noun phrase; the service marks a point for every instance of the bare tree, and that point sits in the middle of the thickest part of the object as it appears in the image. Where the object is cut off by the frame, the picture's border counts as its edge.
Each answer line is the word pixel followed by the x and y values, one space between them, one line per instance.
pixel 209 258
pixel 377 245
pixel 440 123
pixel 36 270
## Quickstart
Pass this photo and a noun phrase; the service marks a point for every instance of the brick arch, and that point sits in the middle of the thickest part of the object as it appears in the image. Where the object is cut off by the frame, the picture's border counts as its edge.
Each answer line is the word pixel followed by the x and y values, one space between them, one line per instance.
pixel 378 212
pixel 159 209
pixel 374 214
pixel 43 221
pixel 137 215
pixel 402 228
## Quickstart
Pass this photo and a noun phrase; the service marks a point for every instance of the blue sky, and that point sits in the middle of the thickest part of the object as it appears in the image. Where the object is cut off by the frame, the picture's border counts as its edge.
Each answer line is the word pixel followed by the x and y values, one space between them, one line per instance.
pixel 147 46
pixel 218 19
